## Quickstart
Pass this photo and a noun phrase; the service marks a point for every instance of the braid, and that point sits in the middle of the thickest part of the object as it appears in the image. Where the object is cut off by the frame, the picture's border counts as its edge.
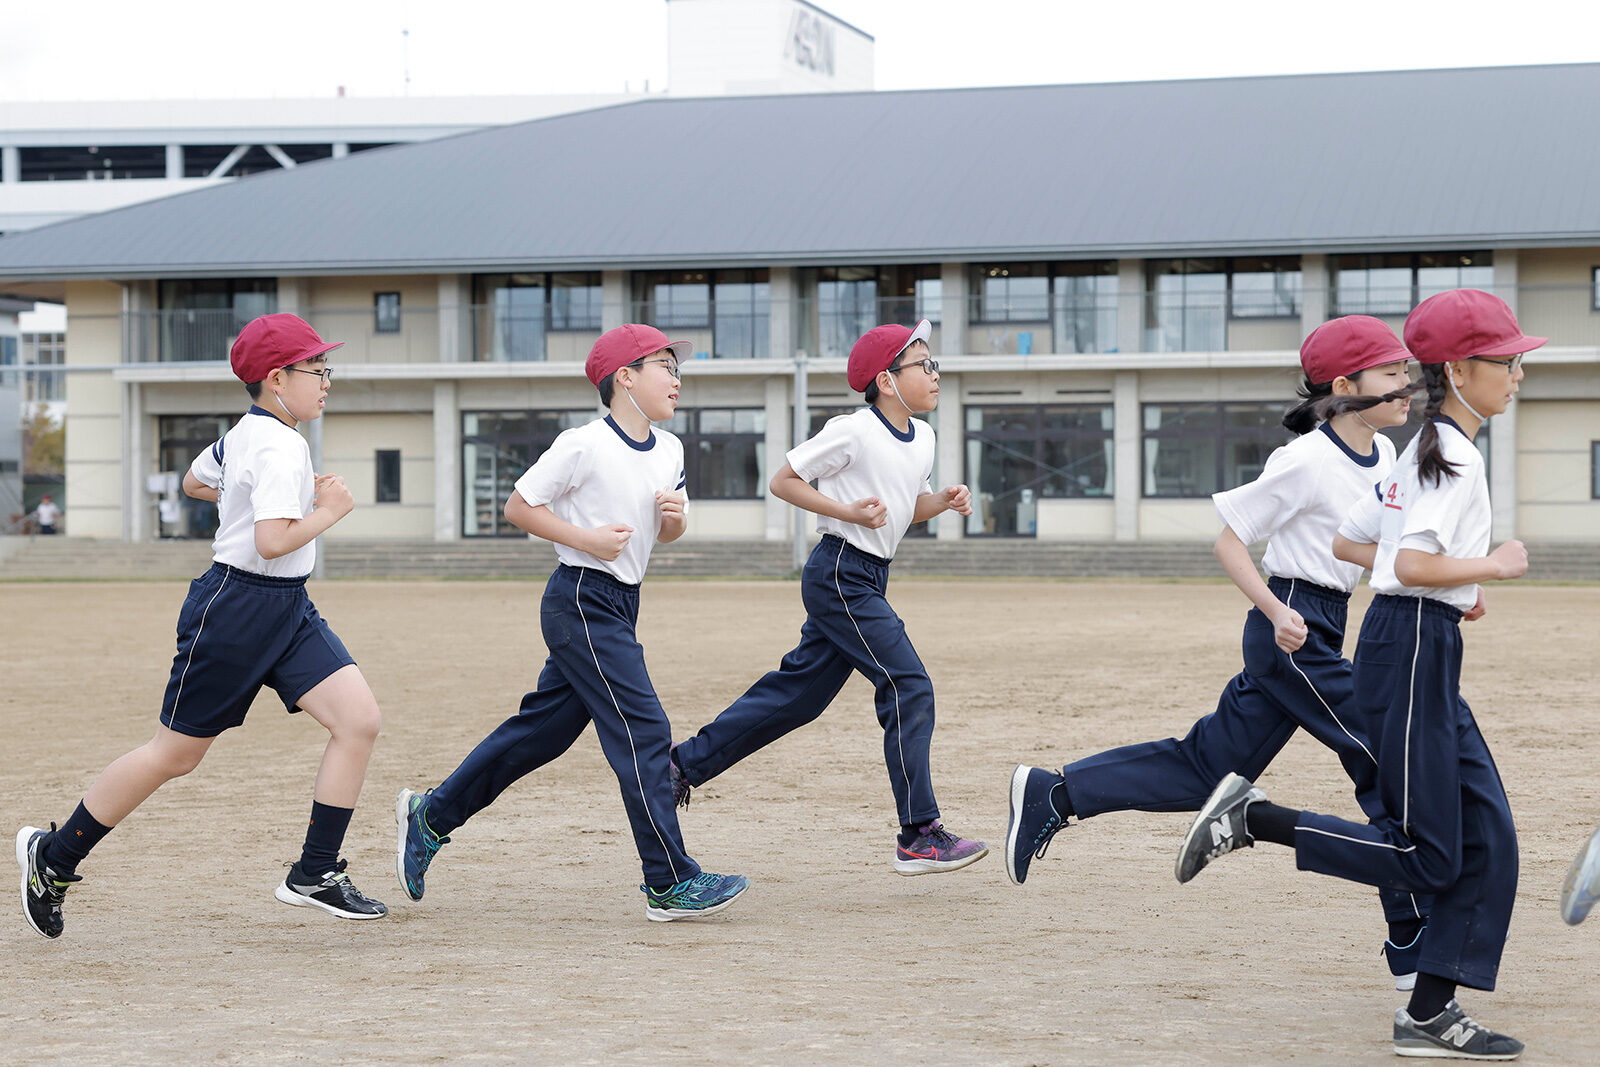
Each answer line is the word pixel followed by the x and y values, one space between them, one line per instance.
pixel 1302 418
pixel 1331 406
pixel 1431 464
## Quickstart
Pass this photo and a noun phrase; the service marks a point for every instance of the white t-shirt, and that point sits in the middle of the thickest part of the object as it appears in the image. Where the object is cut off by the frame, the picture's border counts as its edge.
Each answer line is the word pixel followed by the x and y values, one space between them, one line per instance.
pixel 48 513
pixel 1303 493
pixel 262 468
pixel 1451 518
pixel 860 455
pixel 596 475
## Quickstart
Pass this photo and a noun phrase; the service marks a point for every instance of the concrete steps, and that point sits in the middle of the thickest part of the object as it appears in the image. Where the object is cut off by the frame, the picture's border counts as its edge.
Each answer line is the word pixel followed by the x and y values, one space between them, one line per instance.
pixel 41 558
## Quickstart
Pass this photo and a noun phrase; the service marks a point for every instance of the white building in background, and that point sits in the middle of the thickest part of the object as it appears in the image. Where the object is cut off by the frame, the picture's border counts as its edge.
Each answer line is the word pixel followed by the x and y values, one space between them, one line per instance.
pixel 749 47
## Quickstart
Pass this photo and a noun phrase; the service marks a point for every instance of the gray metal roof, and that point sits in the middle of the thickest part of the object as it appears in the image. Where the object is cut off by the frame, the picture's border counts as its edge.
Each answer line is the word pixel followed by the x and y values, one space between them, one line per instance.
pixel 1417 159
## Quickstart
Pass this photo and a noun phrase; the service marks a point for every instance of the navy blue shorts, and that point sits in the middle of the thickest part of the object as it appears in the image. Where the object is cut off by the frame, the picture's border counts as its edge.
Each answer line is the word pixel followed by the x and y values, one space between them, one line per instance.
pixel 237 632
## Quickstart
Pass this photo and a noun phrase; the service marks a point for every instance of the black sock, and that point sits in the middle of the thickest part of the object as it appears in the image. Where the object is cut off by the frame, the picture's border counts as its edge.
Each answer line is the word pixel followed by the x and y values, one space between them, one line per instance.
pixel 323 838
pixel 1060 801
pixel 1403 933
pixel 68 845
pixel 1265 821
pixel 1430 996
pixel 908 833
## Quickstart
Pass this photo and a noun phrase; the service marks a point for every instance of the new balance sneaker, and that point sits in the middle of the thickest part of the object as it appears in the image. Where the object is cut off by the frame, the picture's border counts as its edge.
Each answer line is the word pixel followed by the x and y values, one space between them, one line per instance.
pixel 1403 962
pixel 935 850
pixel 1581 890
pixel 334 893
pixel 1451 1035
pixel 680 784
pixel 1034 819
pixel 415 842
pixel 1220 826
pixel 42 887
pixel 693 898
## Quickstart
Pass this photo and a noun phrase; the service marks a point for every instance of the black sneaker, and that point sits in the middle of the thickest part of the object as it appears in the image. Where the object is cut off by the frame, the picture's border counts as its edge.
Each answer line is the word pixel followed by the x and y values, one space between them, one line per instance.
pixel 333 893
pixel 42 887
pixel 1451 1035
pixel 1034 819
pixel 1220 826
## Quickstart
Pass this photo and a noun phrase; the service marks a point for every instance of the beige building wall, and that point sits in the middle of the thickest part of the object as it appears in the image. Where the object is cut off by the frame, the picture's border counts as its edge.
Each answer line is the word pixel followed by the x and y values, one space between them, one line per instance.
pixel 1076 520
pixel 1178 520
pixel 726 520
pixel 342 309
pixel 1556 298
pixel 1555 470
pixel 95 445
pixel 1263 335
pixel 349 448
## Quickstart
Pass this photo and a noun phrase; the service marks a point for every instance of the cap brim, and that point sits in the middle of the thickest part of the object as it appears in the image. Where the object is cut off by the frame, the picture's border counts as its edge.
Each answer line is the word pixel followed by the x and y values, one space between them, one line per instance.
pixel 314 351
pixel 681 350
pixel 1513 347
pixel 922 332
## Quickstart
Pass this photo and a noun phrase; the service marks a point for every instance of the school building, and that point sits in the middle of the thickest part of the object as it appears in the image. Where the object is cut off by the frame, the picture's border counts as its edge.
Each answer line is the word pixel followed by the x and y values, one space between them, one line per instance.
pixel 1119 277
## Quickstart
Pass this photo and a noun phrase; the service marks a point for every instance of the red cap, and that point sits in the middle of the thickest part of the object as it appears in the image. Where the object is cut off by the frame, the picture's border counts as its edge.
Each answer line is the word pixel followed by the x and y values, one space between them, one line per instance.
pixel 877 348
pixel 627 344
pixel 1465 322
pixel 272 341
pixel 1349 345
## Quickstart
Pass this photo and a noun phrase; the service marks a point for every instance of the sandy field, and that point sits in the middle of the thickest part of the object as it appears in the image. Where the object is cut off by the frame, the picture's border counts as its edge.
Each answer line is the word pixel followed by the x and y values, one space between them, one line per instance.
pixel 532 945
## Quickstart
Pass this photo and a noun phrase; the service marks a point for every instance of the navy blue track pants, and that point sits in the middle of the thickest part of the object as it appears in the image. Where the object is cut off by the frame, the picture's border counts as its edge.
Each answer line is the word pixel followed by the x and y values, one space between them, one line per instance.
pixel 595 672
pixel 1277 693
pixel 849 626
pixel 1446 827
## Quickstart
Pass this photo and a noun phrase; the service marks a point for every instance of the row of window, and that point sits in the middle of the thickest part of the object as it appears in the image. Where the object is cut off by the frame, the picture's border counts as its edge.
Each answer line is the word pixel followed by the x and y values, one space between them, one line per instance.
pixel 106 162
pixel 1072 307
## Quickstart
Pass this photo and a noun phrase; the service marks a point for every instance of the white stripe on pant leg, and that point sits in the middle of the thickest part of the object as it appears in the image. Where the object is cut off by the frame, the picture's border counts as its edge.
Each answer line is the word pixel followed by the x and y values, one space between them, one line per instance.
pixel 637 777
pixel 1411 702
pixel 181 678
pixel 897 732
pixel 1357 840
pixel 1325 705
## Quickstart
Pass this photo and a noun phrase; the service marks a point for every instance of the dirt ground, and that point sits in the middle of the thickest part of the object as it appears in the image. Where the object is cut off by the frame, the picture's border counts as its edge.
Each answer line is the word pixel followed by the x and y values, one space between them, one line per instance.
pixel 532 945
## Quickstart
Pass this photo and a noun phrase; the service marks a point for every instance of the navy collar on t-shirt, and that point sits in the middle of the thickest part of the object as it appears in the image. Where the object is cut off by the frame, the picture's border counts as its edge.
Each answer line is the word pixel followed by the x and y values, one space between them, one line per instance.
pixel 638 446
pixel 1357 459
pixel 1448 421
pixel 910 432
pixel 257 409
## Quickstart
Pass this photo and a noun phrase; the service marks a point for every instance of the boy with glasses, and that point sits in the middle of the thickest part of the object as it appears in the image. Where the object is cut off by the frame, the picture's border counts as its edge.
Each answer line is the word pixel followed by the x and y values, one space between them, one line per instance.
pixel 872 469
pixel 247 622
pixel 605 494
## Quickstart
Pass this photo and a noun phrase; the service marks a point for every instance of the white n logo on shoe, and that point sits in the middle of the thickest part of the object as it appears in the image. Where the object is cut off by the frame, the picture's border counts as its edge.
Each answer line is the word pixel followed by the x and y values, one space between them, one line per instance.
pixel 1220 835
pixel 1458 1034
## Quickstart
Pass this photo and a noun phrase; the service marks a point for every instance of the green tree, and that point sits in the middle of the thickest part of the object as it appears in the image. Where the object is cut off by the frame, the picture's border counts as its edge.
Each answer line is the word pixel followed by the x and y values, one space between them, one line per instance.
pixel 44 443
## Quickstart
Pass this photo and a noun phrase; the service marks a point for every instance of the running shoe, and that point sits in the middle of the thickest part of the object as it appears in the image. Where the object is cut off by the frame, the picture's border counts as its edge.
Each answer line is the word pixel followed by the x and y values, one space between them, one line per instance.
pixel 415 842
pixel 935 850
pixel 693 898
pixel 1034 819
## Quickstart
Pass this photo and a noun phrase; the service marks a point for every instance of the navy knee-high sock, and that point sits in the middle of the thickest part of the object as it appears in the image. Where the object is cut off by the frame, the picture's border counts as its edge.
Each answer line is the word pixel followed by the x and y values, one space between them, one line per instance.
pixel 67 847
pixel 323 838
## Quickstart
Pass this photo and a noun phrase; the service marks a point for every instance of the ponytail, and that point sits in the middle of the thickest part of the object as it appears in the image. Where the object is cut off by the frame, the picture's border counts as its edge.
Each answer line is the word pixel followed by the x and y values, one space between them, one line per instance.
pixel 1303 417
pixel 1331 406
pixel 1431 464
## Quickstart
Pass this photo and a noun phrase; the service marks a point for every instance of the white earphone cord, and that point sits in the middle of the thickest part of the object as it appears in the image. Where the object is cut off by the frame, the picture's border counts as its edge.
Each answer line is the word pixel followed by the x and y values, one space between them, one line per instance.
pixel 1463 400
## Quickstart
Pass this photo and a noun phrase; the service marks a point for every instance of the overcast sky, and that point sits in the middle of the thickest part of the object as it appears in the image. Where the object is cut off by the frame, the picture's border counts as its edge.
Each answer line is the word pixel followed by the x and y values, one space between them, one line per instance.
pixel 96 49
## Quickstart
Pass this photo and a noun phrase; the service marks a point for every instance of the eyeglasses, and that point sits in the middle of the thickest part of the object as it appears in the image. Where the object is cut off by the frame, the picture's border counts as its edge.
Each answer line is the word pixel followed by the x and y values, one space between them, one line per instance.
pixel 326 373
pixel 1510 365
pixel 929 367
pixel 672 366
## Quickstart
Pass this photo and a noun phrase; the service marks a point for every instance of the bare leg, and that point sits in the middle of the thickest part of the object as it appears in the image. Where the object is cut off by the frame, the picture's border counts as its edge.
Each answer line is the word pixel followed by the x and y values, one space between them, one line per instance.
pixel 130 780
pixel 344 704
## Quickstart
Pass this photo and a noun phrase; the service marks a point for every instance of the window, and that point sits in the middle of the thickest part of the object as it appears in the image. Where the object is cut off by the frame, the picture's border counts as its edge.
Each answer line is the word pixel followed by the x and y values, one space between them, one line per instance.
pixel 496 448
pixel 1594 289
pixel 1017 455
pixel 1186 307
pixel 1013 292
pixel 8 351
pixel 1264 288
pixel 92 162
pixel 674 298
pixel 385 312
pixel 724 452
pixel 852 300
pixel 1594 470
pixel 515 313
pixel 180 438
pixel 1194 450
pixel 44 350
pixel 741 302
pixel 387 480
pixel 200 317
pixel 1394 283
pixel 1083 306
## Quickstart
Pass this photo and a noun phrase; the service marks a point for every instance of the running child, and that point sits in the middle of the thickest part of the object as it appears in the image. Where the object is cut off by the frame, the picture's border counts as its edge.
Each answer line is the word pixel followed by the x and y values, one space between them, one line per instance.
pixel 872 469
pixel 247 622
pixel 1295 674
pixel 1446 827
pixel 606 493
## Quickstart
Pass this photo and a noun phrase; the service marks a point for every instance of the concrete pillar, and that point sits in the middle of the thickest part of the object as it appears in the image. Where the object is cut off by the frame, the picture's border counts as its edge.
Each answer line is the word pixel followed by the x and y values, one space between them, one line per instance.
pixel 950 466
pixel 446 462
pixel 1130 305
pixel 341 149
pixel 1503 428
pixel 1315 296
pixel 955 309
pixel 781 306
pixel 778 442
pixel 174 161
pixel 134 497
pixel 1127 452
pixel 10 163
pixel 615 306
pixel 294 296
pixel 455 318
